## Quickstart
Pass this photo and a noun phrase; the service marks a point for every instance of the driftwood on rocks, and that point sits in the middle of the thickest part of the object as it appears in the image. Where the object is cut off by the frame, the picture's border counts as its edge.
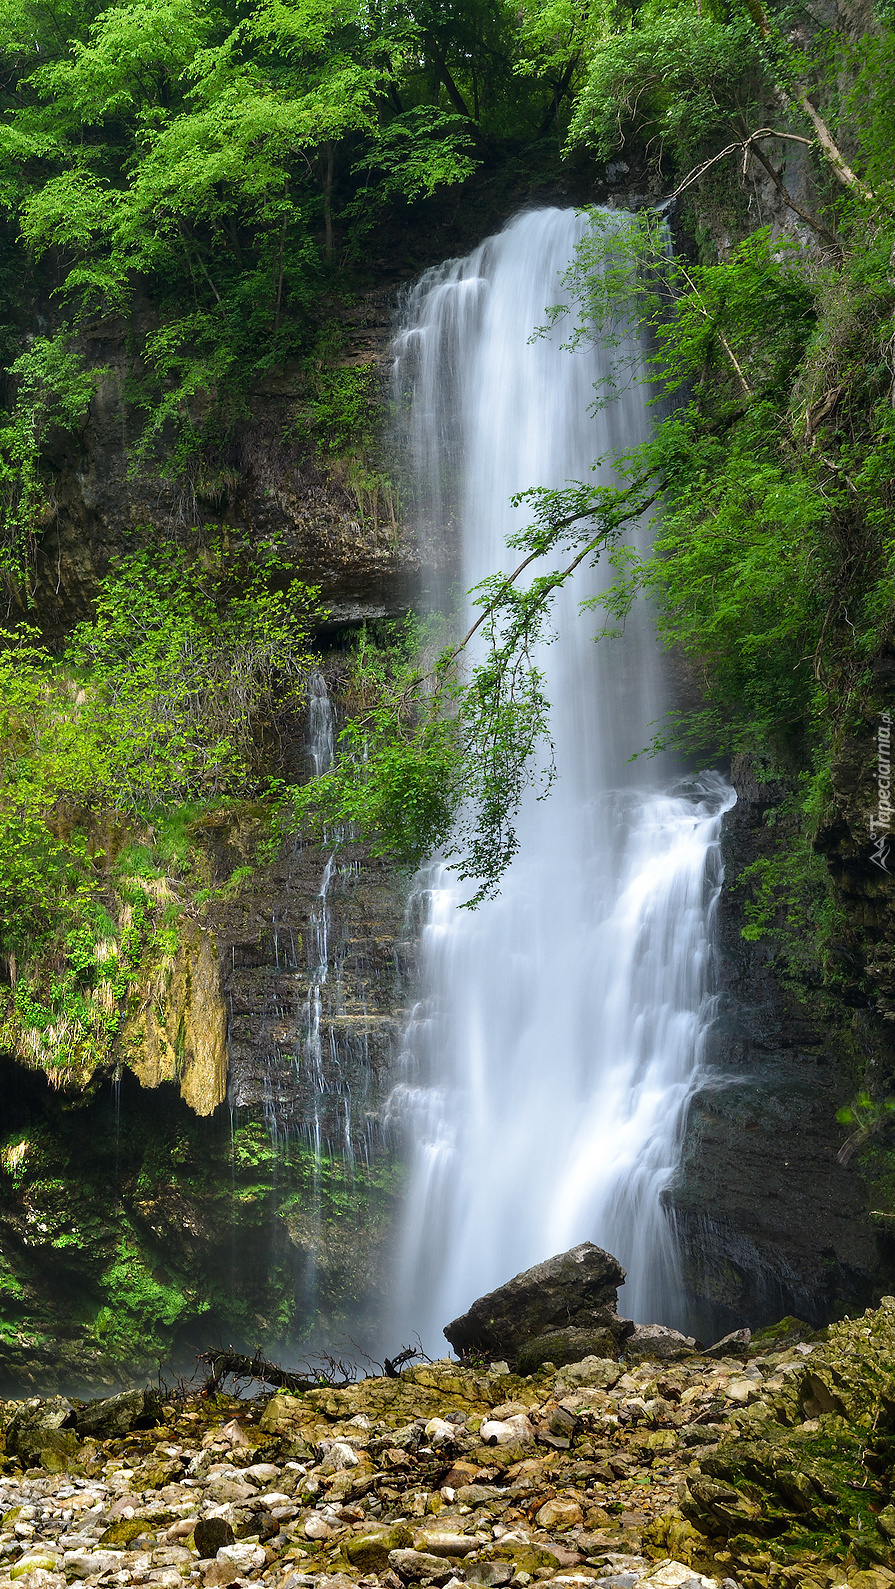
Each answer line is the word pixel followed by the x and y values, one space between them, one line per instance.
pixel 223 1365
pixel 324 1370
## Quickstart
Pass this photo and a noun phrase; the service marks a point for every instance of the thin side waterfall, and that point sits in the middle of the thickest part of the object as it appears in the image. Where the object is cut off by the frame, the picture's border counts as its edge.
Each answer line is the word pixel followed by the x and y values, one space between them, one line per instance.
pixel 321 729
pixel 560 1033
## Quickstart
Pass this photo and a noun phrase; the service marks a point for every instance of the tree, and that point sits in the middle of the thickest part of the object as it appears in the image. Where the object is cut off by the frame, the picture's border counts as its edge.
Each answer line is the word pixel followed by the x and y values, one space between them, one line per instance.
pixel 195 154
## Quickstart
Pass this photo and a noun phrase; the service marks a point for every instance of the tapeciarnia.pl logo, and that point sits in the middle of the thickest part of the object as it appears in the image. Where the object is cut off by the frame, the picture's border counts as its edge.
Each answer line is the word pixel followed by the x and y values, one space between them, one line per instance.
pixel 881 824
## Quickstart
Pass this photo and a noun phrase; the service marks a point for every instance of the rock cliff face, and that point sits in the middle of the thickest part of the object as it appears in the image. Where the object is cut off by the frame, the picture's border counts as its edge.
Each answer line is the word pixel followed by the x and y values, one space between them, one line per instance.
pixel 257 1203
pixel 243 1186
pixel 266 492
pixel 770 1220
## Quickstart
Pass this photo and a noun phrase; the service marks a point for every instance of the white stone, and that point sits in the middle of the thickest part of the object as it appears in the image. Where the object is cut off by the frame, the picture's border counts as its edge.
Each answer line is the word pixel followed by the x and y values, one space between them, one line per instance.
pixel 438 1431
pixel 89 1564
pixel 513 1430
pixel 438 1542
pixel 337 1455
pixel 264 1472
pixel 741 1391
pixel 233 1433
pixel 675 1575
pixel 244 1556
pixel 317 1528
pixel 170 1556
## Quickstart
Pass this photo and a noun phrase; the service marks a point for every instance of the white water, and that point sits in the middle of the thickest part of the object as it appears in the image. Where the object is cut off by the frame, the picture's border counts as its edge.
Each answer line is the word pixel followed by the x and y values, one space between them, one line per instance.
pixel 549 1065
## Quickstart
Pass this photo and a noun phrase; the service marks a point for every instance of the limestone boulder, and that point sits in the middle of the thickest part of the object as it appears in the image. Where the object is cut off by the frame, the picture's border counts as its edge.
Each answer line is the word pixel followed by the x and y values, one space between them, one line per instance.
pixel 560 1347
pixel 40 1433
pixel 114 1416
pixel 574 1290
pixel 369 1552
pixel 598 1372
pixel 657 1341
pixel 414 1566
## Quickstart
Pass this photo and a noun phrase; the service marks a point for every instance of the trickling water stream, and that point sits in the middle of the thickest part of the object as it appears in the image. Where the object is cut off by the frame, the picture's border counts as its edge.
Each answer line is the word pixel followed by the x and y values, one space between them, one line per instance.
pixel 549 1065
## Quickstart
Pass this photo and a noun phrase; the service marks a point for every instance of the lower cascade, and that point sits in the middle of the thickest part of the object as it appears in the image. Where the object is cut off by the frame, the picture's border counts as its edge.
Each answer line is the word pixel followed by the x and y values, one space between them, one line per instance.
pixel 561 1029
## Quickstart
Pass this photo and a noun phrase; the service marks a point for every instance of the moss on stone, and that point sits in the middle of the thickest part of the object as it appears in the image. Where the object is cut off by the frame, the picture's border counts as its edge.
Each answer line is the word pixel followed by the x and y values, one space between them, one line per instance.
pixel 123 1530
pixel 179 1231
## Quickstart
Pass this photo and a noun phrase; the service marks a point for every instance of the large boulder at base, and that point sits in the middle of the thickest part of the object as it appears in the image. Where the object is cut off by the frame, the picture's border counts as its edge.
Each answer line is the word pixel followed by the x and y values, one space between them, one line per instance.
pixel 115 1415
pixel 39 1433
pixel 574 1290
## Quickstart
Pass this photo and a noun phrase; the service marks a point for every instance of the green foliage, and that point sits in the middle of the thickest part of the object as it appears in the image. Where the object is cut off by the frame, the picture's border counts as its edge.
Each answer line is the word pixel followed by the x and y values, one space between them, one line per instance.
pixel 788 903
pixel 395 778
pixel 167 700
pixel 418 152
pixel 866 1112
pixel 199 153
pixel 433 758
pixel 185 666
pixel 671 77
pixel 51 390
pixel 340 409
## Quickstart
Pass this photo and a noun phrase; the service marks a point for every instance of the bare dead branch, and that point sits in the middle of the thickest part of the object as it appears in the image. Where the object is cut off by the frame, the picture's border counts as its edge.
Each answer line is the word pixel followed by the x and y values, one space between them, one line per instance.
pixel 230 1364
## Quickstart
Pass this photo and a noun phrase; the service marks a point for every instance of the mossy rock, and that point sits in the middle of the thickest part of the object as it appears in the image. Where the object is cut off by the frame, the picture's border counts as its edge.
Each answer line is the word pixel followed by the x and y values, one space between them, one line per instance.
pixel 38 1561
pixel 499 1456
pixel 124 1529
pixel 565 1346
pixel 38 1436
pixel 369 1552
pixel 672 1535
pixel 527 1558
pixel 155 1475
pixel 58 1451
pixel 779 1337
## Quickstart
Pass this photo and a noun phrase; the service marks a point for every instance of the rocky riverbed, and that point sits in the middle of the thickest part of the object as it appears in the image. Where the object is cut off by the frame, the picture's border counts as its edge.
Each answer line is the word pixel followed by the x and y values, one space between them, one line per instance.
pixel 771 1466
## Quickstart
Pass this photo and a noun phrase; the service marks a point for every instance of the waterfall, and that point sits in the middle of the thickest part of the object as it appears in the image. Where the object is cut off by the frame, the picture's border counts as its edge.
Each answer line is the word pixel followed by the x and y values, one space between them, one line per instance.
pixel 321 729
pixel 548 1066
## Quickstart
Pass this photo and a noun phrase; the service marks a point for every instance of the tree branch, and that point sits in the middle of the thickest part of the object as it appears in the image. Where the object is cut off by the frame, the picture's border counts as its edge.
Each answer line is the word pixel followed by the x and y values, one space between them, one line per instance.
pixel 559 93
pixel 813 221
pixel 453 92
pixel 746 388
pixel 841 167
pixel 560 577
pixel 742 143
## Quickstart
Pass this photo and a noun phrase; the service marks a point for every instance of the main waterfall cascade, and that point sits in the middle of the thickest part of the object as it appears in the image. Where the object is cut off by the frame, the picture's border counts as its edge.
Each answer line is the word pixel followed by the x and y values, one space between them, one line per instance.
pixel 548 1066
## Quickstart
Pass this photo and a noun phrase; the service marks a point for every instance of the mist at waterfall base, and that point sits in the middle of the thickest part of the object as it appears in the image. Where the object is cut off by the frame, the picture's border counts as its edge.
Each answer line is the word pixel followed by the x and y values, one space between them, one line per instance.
pixel 561 1026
